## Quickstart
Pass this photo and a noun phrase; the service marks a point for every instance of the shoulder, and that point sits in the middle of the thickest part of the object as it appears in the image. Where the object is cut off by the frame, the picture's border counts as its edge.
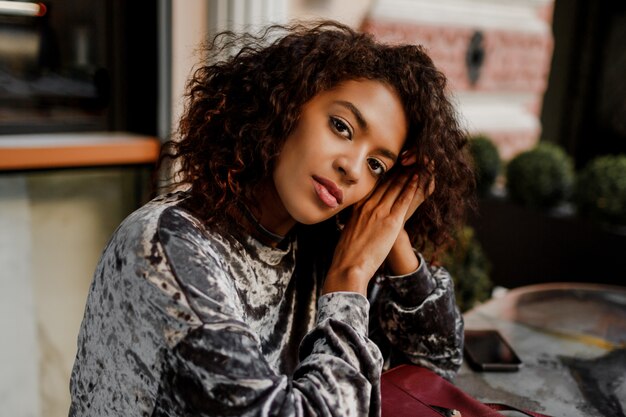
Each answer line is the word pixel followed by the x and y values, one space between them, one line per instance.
pixel 175 251
pixel 185 238
pixel 200 260
pixel 144 220
pixel 166 232
pixel 177 222
pixel 160 236
pixel 160 220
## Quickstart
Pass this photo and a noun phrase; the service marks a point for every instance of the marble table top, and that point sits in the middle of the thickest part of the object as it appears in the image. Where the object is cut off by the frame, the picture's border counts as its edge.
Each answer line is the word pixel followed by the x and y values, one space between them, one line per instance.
pixel 572 341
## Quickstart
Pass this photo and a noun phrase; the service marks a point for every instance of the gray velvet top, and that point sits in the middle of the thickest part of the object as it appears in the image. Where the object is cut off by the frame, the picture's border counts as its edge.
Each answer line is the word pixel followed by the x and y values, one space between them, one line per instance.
pixel 185 320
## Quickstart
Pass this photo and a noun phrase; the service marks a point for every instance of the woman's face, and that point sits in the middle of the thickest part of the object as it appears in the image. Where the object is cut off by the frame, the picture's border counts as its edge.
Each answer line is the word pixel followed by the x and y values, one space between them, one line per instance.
pixel 345 140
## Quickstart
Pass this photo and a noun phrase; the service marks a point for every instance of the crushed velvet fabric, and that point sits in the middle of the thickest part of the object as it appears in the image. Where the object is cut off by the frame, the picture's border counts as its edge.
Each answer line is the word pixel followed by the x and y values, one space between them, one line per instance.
pixel 186 320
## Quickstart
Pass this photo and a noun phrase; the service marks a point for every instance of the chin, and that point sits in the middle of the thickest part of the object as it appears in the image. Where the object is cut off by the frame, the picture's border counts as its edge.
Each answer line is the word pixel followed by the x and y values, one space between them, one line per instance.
pixel 308 220
pixel 310 216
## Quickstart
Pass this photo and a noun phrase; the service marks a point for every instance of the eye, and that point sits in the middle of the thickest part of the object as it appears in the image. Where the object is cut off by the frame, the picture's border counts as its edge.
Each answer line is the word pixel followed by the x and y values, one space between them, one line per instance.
pixel 340 127
pixel 377 167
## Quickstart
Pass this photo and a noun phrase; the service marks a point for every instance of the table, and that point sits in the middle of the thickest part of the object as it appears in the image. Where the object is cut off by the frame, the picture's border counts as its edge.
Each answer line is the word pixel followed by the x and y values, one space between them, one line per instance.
pixel 76 149
pixel 572 340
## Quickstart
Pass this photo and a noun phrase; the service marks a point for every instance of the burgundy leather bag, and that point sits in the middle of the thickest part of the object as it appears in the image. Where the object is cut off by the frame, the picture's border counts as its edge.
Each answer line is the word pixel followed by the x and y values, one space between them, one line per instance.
pixel 414 391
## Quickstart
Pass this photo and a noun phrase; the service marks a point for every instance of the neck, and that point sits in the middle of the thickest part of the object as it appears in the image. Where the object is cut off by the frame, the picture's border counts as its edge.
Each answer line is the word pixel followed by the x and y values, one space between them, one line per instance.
pixel 269 221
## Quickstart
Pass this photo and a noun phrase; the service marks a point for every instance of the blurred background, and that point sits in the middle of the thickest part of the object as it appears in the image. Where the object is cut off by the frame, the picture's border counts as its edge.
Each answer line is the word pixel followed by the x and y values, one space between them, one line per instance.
pixel 88 90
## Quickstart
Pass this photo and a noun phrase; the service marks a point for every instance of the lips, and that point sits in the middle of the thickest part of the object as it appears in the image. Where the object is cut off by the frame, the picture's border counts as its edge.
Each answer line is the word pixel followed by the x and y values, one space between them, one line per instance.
pixel 327 191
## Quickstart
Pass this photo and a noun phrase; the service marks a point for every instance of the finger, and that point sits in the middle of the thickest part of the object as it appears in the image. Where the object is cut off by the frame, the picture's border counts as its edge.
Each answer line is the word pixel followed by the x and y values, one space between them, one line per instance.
pixel 395 189
pixel 427 177
pixel 381 190
pixel 429 184
pixel 377 193
pixel 424 190
pixel 402 202
pixel 408 158
pixel 431 187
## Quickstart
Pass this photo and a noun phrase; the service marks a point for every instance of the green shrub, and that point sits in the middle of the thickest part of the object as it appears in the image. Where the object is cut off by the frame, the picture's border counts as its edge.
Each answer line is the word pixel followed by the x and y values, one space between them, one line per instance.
pixel 541 177
pixel 487 163
pixel 601 189
pixel 470 269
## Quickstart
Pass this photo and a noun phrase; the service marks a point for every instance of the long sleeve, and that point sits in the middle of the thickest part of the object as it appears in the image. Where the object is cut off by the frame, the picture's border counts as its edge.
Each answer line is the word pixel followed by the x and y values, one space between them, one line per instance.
pixel 418 321
pixel 181 321
pixel 219 368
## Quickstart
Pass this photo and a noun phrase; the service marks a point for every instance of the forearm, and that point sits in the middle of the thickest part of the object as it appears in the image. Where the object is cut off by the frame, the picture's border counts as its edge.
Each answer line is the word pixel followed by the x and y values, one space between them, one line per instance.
pixel 338 373
pixel 402 259
pixel 419 316
pixel 349 279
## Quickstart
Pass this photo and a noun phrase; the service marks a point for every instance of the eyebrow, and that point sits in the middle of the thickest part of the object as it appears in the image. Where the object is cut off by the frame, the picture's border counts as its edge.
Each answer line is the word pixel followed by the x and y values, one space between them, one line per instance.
pixel 387 153
pixel 357 113
pixel 363 125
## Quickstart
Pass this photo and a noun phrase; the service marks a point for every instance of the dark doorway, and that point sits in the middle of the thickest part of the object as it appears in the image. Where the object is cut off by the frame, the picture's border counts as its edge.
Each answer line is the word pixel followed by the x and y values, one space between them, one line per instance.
pixel 584 107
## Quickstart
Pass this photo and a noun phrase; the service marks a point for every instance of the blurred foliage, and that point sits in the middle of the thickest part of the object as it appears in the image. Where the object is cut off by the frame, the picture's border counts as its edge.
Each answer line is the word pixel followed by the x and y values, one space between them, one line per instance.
pixel 487 163
pixel 542 177
pixel 469 267
pixel 600 191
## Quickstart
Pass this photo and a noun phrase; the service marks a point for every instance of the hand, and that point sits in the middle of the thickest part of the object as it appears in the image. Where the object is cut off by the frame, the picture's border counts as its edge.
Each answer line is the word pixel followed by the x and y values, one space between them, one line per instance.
pixel 401 259
pixel 370 233
pixel 426 184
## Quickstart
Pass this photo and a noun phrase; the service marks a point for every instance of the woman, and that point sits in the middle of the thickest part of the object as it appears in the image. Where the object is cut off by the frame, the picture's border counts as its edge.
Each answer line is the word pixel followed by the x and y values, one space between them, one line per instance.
pixel 237 295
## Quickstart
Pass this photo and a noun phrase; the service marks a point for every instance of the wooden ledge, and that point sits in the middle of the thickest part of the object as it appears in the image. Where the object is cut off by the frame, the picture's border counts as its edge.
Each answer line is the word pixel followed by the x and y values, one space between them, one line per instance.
pixel 76 149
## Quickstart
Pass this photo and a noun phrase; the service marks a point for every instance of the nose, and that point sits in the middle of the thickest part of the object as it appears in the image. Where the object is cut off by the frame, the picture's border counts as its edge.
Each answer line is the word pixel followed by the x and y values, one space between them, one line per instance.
pixel 350 167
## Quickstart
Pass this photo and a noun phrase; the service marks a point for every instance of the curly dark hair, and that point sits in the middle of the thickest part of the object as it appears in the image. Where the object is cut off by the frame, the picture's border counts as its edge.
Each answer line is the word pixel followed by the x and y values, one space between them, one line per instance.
pixel 246 99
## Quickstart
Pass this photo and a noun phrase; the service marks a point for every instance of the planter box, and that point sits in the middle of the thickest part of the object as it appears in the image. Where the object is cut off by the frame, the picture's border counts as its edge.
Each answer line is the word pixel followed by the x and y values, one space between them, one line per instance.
pixel 528 246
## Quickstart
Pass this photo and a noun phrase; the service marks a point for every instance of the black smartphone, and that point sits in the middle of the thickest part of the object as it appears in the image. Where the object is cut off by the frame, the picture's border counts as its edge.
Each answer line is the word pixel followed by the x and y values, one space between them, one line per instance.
pixel 487 350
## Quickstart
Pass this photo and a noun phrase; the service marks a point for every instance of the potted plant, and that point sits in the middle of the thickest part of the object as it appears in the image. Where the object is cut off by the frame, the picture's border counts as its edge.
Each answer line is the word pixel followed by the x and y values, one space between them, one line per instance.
pixel 542 177
pixel 534 234
pixel 469 267
pixel 600 192
pixel 487 163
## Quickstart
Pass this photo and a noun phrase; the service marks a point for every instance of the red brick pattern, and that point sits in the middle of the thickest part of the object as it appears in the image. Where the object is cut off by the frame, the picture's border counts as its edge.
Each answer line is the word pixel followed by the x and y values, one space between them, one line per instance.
pixel 514 61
